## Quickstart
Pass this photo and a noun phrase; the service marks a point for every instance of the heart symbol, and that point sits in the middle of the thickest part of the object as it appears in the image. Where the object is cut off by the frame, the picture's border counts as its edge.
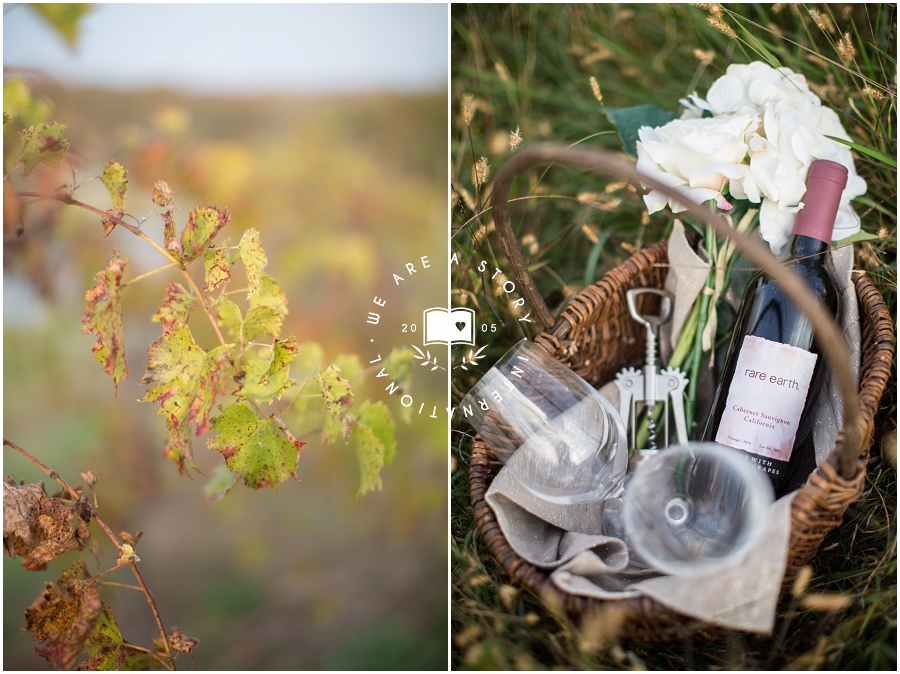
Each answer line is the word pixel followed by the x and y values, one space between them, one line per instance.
pixel 461 326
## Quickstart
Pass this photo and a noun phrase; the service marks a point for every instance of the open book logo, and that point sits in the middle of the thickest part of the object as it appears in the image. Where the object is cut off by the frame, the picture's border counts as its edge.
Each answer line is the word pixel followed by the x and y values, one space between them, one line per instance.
pixel 443 326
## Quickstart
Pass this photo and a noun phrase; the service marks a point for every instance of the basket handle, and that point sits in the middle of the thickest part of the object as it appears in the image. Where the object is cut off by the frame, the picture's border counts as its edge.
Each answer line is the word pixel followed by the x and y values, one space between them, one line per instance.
pixel 606 162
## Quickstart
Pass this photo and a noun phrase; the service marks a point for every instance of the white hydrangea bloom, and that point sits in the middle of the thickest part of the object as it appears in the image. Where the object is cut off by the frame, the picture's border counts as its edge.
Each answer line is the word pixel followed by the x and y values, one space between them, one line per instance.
pixel 780 124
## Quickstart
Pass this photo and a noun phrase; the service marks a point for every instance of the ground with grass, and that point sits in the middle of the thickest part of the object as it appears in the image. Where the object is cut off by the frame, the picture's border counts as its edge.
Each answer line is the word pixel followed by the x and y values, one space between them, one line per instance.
pixel 524 74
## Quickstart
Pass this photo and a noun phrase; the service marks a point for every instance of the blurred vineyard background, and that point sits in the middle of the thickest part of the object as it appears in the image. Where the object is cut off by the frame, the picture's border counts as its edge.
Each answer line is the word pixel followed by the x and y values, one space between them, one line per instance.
pixel 522 74
pixel 344 189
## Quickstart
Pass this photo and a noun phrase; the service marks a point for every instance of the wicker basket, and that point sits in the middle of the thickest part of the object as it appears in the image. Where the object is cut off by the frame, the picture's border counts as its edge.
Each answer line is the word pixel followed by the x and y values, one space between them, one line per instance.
pixel 596 337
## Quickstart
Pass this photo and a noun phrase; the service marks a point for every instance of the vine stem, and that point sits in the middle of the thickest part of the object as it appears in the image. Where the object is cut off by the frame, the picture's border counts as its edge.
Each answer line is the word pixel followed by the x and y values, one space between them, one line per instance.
pixel 66 199
pixel 212 319
pixel 149 273
pixel 53 475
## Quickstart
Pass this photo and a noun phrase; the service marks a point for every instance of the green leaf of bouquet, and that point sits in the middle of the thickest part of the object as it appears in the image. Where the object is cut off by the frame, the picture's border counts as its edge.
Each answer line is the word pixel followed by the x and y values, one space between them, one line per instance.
pixel 875 154
pixel 254 258
pixel 229 313
pixel 219 484
pixel 628 120
pixel 43 144
pixel 185 379
pixel 215 268
pixel 115 179
pixel 261 321
pixel 338 401
pixel 255 384
pixel 377 416
pixel 259 450
pixel 861 235
pixel 175 307
pixel 103 318
pixel 270 295
pixel 203 225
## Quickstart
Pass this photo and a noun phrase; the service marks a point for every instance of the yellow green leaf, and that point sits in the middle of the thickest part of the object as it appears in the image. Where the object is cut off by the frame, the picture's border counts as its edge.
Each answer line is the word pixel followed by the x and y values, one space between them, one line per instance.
pixel 203 225
pixel 261 321
pixel 261 451
pixel 180 447
pixel 175 307
pixel 283 353
pixel 377 416
pixel 270 295
pixel 185 379
pixel 115 179
pixel 254 258
pixel 216 268
pixel 103 317
pixel 370 456
pixel 63 17
pixel 219 484
pixel 229 313
pixel 255 384
pixel 338 401
pixel 43 144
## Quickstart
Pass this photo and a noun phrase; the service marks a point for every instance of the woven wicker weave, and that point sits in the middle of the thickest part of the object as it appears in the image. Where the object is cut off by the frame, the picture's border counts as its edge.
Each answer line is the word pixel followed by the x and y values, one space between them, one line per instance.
pixel 596 337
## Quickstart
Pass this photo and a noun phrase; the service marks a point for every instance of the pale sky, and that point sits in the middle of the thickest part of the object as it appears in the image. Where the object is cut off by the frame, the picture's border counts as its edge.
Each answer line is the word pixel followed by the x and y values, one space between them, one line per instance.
pixel 240 48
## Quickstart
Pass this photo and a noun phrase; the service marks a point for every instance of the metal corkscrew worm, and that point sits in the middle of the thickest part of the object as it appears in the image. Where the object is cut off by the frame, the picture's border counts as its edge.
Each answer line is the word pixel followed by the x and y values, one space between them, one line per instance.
pixel 652 386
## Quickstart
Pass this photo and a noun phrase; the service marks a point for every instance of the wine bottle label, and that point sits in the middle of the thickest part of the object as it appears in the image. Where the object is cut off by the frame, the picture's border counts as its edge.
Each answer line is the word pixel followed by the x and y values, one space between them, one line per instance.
pixel 766 398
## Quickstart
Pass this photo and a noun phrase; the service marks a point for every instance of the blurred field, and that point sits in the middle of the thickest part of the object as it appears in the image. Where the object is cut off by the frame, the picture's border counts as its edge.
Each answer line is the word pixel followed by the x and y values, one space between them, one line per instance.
pixel 527 69
pixel 344 191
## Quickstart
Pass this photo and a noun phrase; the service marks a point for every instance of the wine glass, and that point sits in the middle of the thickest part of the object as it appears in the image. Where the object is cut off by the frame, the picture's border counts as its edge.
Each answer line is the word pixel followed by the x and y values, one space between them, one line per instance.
pixel 693 509
pixel 555 433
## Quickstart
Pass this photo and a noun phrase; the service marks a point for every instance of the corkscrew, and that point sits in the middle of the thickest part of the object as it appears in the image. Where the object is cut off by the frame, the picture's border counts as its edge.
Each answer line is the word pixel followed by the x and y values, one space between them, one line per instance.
pixel 652 386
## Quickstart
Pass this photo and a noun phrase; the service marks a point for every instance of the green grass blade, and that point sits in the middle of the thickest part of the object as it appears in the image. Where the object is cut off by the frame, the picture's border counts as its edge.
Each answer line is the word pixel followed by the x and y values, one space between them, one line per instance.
pixel 875 154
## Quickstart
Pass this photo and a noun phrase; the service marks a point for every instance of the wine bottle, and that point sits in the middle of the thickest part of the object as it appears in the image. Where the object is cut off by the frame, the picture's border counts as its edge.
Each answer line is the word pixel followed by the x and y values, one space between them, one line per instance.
pixel 773 371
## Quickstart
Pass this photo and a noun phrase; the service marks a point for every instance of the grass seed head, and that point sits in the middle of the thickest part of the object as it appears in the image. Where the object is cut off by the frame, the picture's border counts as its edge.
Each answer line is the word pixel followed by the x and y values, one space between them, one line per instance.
pixel 515 139
pixel 823 21
pixel 873 93
pixel 721 26
pixel 705 57
pixel 595 87
pixel 467 108
pixel 846 50
pixel 481 171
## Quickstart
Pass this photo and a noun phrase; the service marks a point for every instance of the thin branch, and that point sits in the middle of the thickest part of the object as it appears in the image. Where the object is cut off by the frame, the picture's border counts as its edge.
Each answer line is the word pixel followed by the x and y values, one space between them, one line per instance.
pixel 53 475
pixel 212 319
pixel 149 273
pixel 115 568
pixel 126 586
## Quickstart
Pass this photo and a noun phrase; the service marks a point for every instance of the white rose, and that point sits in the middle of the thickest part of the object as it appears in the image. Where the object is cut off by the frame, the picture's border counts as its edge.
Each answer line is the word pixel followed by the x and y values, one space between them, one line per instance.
pixel 695 156
pixel 792 135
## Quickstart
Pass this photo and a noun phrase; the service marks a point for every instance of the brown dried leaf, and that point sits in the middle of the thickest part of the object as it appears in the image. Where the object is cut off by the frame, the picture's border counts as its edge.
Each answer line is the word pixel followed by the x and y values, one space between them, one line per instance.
pixel 173 245
pixel 180 642
pixel 162 193
pixel 39 528
pixel 71 618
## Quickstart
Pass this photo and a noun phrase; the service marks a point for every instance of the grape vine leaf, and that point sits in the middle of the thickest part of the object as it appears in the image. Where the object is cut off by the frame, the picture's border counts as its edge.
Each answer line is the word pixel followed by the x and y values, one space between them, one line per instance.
pixel 219 484
pixel 64 17
pixel 261 451
pixel 252 384
pixel 229 313
pixel 103 318
pixel 175 307
pixel 216 269
pixel 338 401
pixel 185 379
pixel 173 245
pixel 162 194
pixel 283 353
pixel 39 528
pixel 203 224
pixel 398 367
pixel 261 321
pixel 179 447
pixel 373 436
pixel 349 364
pixel 43 144
pixel 115 178
pixel 377 416
pixel 254 258
pixel 71 618
pixel 270 295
